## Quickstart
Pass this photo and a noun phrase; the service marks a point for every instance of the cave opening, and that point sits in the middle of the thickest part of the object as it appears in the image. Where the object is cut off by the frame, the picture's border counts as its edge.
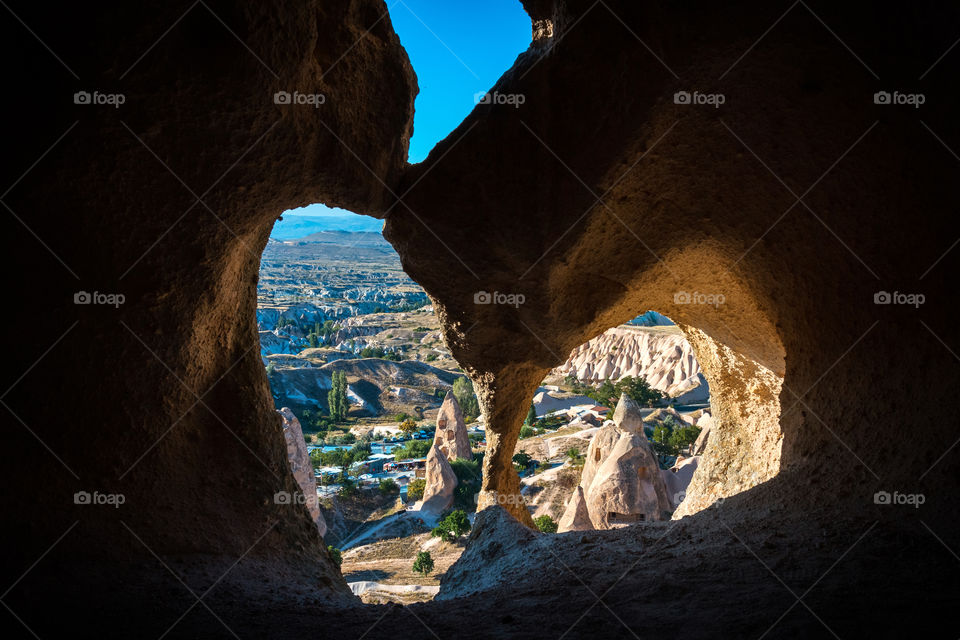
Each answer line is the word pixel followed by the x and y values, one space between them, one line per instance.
pixel 616 433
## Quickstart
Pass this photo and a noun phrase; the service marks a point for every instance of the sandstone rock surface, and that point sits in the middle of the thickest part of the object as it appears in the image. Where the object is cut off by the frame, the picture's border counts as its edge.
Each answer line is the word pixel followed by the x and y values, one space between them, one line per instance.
pixel 621 481
pixel 451 436
pixel 577 516
pixel 301 467
pixel 441 481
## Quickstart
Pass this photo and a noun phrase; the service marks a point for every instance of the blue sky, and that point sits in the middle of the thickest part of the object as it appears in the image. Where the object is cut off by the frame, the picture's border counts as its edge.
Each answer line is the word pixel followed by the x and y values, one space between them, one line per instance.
pixel 458 48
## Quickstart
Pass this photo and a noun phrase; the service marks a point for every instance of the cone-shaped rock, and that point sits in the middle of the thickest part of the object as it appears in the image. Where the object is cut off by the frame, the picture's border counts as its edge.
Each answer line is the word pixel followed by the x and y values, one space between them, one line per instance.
pixel 621 481
pixel 627 415
pixel 301 467
pixel 451 436
pixel 441 481
pixel 576 517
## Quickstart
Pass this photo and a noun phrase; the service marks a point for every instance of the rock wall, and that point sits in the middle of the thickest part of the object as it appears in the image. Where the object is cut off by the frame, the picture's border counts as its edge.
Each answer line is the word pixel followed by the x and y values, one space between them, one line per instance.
pixel 168 200
pixel 744 442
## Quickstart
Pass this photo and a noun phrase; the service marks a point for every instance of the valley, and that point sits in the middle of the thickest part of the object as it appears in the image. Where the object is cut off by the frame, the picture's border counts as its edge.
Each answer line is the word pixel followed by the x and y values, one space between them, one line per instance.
pixel 393 432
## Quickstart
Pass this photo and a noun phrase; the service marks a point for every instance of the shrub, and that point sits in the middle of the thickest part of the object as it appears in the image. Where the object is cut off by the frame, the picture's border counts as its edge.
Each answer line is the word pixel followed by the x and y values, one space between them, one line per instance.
pixel 412 449
pixel 545 523
pixel 415 489
pixel 463 391
pixel 526 432
pixel 335 554
pixel 469 477
pixel 424 563
pixel 452 527
pixel 388 486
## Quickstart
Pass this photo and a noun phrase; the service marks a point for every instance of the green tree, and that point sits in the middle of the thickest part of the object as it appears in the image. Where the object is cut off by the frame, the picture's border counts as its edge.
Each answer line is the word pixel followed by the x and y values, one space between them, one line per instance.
pixel 662 446
pixel 575 457
pixel 639 389
pixel 408 426
pixel 335 554
pixel 423 564
pixel 415 489
pixel 531 416
pixel 337 397
pixel 469 478
pixel 412 449
pixel 546 524
pixel 522 459
pixel 388 486
pixel 526 432
pixel 466 398
pixel 452 527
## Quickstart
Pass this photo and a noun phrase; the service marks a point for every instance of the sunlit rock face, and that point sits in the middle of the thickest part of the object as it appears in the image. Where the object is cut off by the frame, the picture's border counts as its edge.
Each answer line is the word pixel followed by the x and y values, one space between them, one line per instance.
pixel 441 481
pixel 665 360
pixel 301 467
pixel 621 483
pixel 451 436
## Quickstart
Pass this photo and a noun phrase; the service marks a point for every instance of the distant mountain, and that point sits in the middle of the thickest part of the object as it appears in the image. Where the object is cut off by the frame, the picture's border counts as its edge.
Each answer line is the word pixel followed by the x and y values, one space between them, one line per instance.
pixel 339 237
pixel 363 247
pixel 297 226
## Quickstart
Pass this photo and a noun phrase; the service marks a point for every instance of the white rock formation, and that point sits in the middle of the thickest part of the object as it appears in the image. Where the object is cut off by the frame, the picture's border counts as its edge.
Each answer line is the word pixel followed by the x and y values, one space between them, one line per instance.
pixel 451 435
pixel 576 517
pixel 705 423
pixel 677 478
pixel 664 358
pixel 621 482
pixel 441 481
pixel 301 467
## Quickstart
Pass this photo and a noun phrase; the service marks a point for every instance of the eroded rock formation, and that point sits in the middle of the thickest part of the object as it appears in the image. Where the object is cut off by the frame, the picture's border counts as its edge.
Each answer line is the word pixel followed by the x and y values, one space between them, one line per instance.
pixel 441 481
pixel 663 358
pixel 451 436
pixel 576 517
pixel 621 481
pixel 301 467
pixel 800 199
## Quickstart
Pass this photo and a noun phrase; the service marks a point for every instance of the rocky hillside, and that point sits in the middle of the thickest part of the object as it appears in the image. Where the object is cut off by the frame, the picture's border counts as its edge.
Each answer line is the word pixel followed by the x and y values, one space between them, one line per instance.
pixel 660 354
pixel 375 386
